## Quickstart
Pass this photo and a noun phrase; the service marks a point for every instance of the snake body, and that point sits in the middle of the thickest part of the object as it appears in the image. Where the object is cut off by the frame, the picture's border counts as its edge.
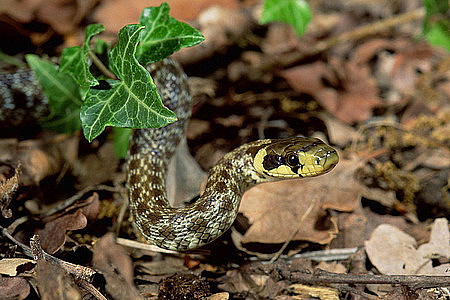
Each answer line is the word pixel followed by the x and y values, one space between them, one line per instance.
pixel 213 213
pixel 151 149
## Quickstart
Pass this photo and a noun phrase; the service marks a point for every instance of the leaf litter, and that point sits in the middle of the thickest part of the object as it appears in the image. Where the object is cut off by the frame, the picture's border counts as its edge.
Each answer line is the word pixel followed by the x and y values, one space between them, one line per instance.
pixel 383 99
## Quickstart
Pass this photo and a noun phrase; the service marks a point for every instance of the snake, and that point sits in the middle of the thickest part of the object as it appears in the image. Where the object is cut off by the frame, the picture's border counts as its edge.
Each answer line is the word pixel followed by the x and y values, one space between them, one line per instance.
pixel 213 213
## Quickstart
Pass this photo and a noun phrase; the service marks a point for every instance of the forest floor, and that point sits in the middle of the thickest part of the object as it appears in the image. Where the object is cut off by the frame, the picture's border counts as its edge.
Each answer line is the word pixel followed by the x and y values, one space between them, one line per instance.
pixel 361 78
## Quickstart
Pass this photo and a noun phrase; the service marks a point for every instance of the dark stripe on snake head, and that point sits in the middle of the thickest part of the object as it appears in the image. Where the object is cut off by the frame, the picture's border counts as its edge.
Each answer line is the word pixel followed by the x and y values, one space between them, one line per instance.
pixel 272 161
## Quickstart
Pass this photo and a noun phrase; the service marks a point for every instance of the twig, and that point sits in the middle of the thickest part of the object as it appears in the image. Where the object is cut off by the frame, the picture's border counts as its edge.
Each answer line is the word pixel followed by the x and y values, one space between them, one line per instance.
pixel 328 255
pixel 69 201
pixel 90 288
pixel 352 35
pixel 413 281
pixel 77 270
pixel 38 254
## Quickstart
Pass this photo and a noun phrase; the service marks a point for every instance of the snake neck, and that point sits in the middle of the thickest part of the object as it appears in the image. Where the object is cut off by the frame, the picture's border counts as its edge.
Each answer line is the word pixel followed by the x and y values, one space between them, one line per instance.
pixel 196 224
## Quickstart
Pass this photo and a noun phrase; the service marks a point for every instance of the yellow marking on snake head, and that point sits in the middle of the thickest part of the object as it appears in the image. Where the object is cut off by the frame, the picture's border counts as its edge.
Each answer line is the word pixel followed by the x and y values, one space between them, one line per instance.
pixel 291 158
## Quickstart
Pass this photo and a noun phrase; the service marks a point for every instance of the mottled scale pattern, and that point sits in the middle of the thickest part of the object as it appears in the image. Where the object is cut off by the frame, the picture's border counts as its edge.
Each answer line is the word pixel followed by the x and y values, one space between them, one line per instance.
pixel 213 213
pixel 21 100
pixel 150 151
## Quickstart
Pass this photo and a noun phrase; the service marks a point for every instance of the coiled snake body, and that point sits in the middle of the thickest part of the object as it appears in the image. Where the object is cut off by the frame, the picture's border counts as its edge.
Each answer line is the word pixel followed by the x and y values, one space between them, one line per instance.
pixel 151 149
pixel 210 216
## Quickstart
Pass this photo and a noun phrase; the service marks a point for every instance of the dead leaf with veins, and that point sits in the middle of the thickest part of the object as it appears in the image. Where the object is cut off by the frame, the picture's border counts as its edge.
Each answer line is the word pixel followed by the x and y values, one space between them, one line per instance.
pixel 392 251
pixel 274 209
pixel 53 235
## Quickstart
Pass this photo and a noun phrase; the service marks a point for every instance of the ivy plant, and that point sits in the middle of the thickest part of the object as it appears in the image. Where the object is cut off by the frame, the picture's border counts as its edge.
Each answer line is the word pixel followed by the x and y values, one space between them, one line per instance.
pixel 120 93
pixel 296 13
pixel 436 24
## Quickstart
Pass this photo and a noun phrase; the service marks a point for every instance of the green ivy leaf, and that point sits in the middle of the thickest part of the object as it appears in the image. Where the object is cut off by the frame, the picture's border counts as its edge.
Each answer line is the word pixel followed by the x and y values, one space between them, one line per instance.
pixel 293 12
pixel 63 94
pixel 438 34
pixel 436 25
pixel 163 35
pixel 101 47
pixel 133 101
pixel 74 59
pixel 121 141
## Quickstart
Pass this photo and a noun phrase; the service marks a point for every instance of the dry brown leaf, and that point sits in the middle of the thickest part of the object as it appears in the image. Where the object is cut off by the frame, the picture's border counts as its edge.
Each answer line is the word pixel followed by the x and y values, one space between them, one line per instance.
pixel 311 292
pixel 360 92
pixel 45 157
pixel 280 38
pixel 14 288
pixel 8 188
pixel 53 235
pixel 274 209
pixel 22 11
pixel 114 14
pixel 63 16
pixel 310 78
pixel 168 265
pixel 55 283
pixel 92 210
pixel 9 266
pixel 351 102
pixel 340 134
pixel 394 252
pixel 236 281
pixel 219 296
pixel 115 264
pixel 104 162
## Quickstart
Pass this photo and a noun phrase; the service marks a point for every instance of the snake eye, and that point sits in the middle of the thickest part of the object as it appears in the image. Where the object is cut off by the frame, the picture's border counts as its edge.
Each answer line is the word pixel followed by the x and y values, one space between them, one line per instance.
pixel 292 160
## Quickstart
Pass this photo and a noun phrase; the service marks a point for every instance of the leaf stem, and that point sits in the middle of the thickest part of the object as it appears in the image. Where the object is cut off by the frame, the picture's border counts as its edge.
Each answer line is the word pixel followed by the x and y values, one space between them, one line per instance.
pixel 98 63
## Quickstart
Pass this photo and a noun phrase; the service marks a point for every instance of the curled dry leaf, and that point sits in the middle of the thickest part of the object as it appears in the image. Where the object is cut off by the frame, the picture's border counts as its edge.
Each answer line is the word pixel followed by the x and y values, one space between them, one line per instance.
pixel 7 189
pixel 392 251
pixel 275 209
pixel 53 235
pixel 42 158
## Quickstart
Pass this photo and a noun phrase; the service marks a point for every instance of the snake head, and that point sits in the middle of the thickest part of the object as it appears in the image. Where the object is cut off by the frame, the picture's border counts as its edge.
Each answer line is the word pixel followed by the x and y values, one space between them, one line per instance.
pixel 295 157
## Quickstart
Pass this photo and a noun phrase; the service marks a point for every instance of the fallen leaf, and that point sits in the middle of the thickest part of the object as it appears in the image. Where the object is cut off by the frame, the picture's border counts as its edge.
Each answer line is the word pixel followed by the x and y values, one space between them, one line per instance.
pixel 8 188
pixel 392 251
pixel 10 266
pixel 116 13
pixel 340 134
pixel 104 162
pixel 274 209
pixel 55 283
pixel 352 102
pixel 115 264
pixel 92 210
pixel 22 11
pixel 45 157
pixel 62 16
pixel 14 288
pixel 237 281
pixel 53 235
pixel 308 292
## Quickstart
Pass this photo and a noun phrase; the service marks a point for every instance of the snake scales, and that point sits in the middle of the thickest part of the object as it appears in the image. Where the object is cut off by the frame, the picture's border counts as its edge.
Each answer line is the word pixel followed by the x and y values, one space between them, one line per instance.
pixel 213 213
pixel 151 149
